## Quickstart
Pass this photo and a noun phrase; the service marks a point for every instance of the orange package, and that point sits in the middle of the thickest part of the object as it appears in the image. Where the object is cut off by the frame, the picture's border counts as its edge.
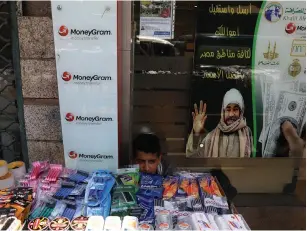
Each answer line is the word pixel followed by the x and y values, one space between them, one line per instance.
pixel 208 185
pixel 170 185
pixel 188 187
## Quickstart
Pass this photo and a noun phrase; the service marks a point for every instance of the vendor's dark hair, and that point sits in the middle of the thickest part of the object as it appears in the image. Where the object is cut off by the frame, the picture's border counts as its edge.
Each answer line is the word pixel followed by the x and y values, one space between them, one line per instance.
pixel 148 143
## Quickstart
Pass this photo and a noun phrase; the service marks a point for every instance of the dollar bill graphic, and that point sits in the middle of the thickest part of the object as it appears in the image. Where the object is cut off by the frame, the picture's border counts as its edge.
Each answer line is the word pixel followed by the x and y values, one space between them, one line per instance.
pixel 272 89
pixel 290 106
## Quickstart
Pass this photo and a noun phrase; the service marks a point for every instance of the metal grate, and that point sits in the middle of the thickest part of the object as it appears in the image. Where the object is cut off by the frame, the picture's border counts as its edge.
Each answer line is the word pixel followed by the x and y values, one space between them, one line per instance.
pixel 10 145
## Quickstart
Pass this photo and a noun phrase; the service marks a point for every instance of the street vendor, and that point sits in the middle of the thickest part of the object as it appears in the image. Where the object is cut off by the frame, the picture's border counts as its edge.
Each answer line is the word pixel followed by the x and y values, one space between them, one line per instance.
pixel 148 155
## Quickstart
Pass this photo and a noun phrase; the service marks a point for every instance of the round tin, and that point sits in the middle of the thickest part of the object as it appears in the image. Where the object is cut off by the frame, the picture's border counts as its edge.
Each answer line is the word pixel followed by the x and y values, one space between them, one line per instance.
pixel 40 223
pixel 79 223
pixel 59 224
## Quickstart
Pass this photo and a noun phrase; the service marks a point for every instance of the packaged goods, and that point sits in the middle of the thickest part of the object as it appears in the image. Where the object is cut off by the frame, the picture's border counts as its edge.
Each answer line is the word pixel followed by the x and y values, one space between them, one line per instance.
pixel 40 223
pixel 164 220
pixel 79 223
pixel 208 185
pixel 113 223
pixel 59 224
pixel 130 223
pixel 96 223
pixel 170 187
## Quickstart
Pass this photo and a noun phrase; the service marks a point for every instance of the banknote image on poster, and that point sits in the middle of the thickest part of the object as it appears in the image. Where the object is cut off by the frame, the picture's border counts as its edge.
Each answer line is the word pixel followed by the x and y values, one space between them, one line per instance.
pixel 156 19
pixel 248 79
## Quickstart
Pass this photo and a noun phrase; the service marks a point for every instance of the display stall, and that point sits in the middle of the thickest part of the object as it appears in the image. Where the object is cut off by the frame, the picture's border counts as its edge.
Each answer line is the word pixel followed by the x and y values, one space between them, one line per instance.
pixel 91 192
pixel 52 197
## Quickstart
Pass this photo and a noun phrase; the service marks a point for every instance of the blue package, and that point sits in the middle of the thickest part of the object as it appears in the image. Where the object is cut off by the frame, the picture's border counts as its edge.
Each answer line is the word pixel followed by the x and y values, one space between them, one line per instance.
pixel 150 180
pixel 154 192
pixel 144 200
pixel 97 194
pixel 98 188
pixel 148 214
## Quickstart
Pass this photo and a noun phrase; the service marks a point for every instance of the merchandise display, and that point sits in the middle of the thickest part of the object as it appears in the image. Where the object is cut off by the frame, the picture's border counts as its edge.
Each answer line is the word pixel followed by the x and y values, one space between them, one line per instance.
pixel 51 197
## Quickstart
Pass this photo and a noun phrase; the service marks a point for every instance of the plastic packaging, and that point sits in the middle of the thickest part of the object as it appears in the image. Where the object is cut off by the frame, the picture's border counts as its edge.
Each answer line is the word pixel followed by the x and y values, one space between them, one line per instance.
pixel 170 187
pixel 164 220
pixel 54 172
pixel 188 187
pixel 208 185
pixel 215 204
pixel 130 223
pixel 153 192
pixel 150 180
pixel 58 210
pixel 127 176
pixel 183 225
pixel 235 222
pixel 212 221
pixel 112 223
pixel 123 199
pixel 200 222
pixel 79 176
pixel 145 227
pixel 95 223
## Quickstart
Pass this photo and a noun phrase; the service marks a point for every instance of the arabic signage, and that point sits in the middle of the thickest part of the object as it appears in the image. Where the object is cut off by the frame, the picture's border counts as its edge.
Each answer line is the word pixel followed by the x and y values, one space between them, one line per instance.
pixel 157 18
pixel 85 40
pixel 249 61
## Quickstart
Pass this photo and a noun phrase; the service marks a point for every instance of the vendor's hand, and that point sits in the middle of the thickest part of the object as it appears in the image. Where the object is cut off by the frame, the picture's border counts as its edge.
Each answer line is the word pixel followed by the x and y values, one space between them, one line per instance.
pixel 296 144
pixel 199 117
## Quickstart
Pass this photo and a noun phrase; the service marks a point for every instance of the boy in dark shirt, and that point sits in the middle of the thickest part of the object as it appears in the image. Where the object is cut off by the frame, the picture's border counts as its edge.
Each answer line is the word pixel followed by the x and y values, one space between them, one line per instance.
pixel 147 154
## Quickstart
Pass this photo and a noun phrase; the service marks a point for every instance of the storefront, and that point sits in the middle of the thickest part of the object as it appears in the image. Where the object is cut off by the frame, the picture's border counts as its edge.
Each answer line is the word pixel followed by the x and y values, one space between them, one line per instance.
pixel 119 68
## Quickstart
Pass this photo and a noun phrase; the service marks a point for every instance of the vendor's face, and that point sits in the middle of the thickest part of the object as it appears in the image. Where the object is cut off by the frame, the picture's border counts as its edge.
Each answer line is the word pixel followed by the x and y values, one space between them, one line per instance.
pixel 148 162
pixel 232 113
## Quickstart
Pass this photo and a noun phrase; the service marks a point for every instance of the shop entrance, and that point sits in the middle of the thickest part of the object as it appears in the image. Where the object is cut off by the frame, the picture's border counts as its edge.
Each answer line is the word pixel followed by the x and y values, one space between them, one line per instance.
pixel 10 133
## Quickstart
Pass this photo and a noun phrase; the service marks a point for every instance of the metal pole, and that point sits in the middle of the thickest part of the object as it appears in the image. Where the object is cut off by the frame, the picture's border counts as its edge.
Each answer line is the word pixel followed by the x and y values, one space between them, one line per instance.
pixel 17 73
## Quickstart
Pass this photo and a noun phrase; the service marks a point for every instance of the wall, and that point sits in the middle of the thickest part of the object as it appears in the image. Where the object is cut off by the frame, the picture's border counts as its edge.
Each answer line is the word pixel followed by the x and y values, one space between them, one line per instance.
pixel 39 83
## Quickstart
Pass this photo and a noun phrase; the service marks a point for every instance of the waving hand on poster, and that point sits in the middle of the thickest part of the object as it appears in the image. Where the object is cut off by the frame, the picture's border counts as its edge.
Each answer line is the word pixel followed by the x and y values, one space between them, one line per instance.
pixel 199 117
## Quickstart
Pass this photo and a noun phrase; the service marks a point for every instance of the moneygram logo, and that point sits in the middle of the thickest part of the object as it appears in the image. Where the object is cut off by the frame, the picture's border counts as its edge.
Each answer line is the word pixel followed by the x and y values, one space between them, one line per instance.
pixel 83 34
pixel 84 79
pixel 69 117
pixel 73 155
pixel 63 31
pixel 88 157
pixel 66 76
pixel 295 29
pixel 86 120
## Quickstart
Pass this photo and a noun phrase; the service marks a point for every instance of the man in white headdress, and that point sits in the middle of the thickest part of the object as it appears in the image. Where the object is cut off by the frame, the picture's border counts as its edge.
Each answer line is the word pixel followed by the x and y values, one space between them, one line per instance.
pixel 231 138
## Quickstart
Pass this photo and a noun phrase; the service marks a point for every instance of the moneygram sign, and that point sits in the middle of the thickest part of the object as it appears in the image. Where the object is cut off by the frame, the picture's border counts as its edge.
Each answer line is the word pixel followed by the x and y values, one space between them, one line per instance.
pixel 82 34
pixel 87 120
pixel 67 77
pixel 85 42
pixel 88 157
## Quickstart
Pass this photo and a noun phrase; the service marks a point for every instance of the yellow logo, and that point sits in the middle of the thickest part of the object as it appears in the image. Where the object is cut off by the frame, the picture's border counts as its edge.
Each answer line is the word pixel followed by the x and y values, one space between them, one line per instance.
pixel 271 54
pixel 295 68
